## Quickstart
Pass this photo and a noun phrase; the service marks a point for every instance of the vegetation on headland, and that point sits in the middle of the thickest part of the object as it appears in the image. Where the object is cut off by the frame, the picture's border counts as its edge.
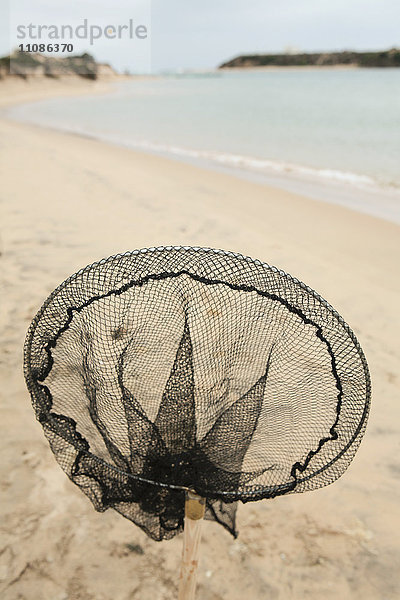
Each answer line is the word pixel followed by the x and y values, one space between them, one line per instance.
pixel 27 65
pixel 386 58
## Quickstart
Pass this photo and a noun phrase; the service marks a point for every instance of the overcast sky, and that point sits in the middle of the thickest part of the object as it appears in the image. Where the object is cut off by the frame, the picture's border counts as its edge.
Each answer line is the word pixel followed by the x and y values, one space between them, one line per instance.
pixel 186 34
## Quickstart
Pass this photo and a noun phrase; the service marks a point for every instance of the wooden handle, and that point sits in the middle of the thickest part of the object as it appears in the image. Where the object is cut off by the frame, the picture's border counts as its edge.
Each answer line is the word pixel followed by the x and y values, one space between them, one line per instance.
pixel 194 513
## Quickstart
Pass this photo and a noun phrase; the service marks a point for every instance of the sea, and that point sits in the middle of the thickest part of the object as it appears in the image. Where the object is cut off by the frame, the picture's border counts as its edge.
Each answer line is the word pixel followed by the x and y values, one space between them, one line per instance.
pixel 330 134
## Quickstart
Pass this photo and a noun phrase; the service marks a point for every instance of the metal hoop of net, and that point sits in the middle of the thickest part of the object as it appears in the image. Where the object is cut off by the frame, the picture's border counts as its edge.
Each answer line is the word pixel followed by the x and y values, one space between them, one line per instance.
pixel 175 368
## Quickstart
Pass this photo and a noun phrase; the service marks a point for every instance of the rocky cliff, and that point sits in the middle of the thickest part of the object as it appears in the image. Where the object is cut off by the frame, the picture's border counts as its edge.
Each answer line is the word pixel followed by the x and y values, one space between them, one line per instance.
pixel 27 65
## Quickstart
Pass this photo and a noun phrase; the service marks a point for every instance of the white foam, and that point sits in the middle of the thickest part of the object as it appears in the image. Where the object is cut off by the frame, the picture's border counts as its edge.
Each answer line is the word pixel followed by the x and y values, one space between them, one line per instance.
pixel 249 163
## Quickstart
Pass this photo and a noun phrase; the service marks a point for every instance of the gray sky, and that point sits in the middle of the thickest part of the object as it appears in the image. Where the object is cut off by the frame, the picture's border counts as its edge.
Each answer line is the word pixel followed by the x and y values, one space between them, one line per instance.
pixel 192 34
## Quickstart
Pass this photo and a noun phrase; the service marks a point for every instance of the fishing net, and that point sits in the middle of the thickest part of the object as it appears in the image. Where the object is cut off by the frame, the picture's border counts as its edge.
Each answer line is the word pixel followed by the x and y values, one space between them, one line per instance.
pixel 177 368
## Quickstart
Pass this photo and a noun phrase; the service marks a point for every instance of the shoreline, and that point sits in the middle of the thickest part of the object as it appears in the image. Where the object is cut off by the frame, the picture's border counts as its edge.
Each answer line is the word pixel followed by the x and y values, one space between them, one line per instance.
pixel 15 91
pixel 324 185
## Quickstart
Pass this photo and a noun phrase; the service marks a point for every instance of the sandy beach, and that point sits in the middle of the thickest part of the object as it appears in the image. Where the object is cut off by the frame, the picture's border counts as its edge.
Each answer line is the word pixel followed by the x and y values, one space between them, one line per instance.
pixel 68 201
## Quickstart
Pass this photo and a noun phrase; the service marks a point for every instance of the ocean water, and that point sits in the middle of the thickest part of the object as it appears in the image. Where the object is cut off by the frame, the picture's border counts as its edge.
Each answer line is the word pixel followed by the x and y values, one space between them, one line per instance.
pixel 329 133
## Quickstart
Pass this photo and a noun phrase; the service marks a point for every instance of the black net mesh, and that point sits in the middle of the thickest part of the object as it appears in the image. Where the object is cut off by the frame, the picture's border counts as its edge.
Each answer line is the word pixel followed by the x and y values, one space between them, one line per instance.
pixel 171 368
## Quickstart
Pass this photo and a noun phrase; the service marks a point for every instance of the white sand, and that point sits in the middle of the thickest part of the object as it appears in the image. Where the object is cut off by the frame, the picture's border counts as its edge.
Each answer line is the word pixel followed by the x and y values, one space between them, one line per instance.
pixel 68 201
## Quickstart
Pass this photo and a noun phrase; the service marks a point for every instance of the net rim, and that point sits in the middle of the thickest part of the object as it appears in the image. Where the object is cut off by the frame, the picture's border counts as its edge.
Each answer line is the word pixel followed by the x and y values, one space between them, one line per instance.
pixel 230 496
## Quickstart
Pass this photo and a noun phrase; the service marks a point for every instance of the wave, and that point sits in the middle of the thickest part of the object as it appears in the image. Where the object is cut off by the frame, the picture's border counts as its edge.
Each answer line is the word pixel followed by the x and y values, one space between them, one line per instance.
pixel 248 163
pixel 260 164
